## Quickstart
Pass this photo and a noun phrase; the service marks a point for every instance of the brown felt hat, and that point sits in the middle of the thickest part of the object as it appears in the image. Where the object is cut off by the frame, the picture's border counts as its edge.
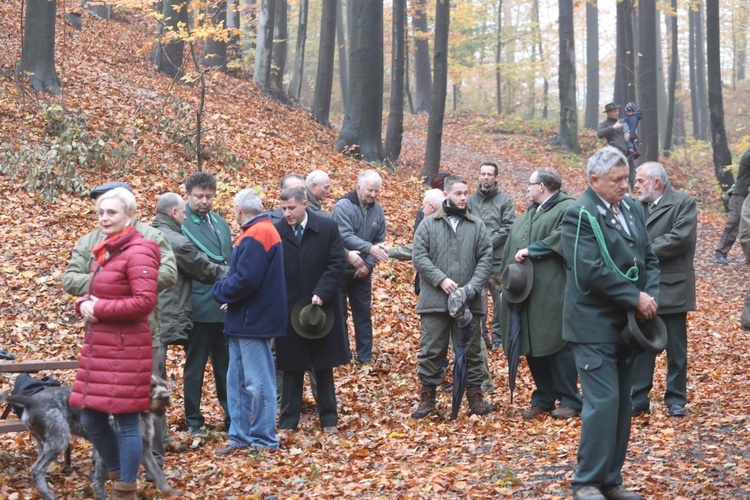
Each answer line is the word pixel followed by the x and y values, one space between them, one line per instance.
pixel 649 336
pixel 517 279
pixel 311 321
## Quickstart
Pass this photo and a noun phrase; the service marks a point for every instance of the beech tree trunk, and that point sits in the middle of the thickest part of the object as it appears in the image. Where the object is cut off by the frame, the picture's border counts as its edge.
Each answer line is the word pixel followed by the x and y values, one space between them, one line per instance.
pixel 295 87
pixel 342 52
pixel 567 134
pixel 740 37
pixel 648 129
pixel 439 92
pixel 278 54
pixel 395 130
pixel 625 69
pixel 321 104
pixel 38 49
pixel 698 74
pixel 361 132
pixel 722 157
pixel 591 116
pixel 499 58
pixel 422 76
pixel 169 51
pixel 215 54
pixel 248 27
pixel 264 48
pixel 671 23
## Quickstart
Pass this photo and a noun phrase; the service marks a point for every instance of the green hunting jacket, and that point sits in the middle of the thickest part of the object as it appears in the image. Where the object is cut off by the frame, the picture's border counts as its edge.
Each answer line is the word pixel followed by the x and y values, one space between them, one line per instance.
pixel 540 230
pixel 496 210
pixel 463 255
pixel 216 243
pixel 75 279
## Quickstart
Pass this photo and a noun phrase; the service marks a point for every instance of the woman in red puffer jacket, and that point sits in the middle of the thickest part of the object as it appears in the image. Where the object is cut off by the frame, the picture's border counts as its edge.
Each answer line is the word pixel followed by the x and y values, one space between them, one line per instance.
pixel 114 370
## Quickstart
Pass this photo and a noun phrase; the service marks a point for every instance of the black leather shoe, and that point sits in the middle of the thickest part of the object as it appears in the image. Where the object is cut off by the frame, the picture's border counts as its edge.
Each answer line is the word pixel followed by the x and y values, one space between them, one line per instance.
pixel 637 412
pixel 676 411
pixel 588 493
pixel 620 493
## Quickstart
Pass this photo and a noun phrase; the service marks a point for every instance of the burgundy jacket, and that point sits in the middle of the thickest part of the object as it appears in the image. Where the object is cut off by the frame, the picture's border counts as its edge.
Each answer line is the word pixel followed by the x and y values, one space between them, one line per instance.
pixel 114 370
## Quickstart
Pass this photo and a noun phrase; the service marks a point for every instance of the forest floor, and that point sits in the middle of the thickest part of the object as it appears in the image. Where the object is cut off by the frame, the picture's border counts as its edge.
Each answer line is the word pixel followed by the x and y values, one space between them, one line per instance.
pixel 143 123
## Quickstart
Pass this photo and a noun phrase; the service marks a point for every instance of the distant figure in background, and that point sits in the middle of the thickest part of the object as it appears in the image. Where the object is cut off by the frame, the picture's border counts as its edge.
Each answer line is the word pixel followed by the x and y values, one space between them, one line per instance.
pixel 630 130
pixel 732 226
pixel 612 130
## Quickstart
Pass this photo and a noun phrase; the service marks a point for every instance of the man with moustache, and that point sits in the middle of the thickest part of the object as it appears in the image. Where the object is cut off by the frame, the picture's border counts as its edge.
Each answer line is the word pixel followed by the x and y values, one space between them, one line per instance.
pixel 451 249
pixel 672 223
pixel 314 260
pixel 611 269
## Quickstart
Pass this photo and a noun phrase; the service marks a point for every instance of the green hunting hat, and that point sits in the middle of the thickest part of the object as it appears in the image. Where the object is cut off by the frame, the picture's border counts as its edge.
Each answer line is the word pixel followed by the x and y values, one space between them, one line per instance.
pixel 311 321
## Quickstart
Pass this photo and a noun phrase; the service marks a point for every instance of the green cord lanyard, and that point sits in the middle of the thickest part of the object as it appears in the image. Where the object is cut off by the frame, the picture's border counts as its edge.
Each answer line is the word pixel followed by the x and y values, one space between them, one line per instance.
pixel 631 275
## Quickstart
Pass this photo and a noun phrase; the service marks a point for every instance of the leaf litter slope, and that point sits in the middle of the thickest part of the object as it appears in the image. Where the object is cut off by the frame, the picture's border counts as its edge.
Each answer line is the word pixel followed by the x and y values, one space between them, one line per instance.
pixel 381 452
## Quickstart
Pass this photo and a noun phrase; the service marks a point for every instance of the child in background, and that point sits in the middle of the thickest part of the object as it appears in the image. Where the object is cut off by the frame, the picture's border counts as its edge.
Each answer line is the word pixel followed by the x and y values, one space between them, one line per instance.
pixel 630 130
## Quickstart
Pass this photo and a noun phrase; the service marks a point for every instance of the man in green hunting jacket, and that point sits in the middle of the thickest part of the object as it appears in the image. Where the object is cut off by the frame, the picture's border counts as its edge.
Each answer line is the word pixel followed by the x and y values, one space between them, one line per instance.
pixel 611 269
pixel 211 234
pixel 536 235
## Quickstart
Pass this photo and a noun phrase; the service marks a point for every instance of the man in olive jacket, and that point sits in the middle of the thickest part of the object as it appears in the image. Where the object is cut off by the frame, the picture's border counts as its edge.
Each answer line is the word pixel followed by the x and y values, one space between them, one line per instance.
pixel 496 210
pixel 606 278
pixel 672 223
pixel 536 236
pixel 451 249
pixel 210 233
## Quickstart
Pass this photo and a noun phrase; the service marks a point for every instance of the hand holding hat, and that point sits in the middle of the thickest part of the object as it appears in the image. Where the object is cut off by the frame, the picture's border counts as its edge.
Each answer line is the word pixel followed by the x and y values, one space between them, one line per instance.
pixel 311 321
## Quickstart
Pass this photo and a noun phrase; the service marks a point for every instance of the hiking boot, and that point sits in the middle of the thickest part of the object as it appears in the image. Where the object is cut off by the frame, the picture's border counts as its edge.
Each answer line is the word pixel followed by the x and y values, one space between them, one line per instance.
pixel 124 491
pixel 426 401
pixel 475 397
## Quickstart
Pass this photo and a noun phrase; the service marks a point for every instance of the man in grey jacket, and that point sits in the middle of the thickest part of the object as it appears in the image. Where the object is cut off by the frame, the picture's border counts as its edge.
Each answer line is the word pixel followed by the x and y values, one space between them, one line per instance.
pixel 361 222
pixel 496 210
pixel 451 249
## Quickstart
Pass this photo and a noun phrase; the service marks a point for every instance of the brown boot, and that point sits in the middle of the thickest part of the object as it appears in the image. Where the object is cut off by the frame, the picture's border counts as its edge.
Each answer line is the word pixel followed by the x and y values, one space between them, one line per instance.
pixel 113 475
pixel 124 491
pixel 426 401
pixel 475 397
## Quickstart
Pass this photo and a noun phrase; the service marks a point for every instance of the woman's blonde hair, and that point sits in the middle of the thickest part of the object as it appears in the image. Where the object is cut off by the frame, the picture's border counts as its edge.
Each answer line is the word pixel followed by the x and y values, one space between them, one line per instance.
pixel 122 195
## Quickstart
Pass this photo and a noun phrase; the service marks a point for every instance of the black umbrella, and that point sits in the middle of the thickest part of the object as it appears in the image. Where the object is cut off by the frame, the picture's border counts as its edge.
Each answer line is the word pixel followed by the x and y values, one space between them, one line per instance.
pixel 460 368
pixel 513 349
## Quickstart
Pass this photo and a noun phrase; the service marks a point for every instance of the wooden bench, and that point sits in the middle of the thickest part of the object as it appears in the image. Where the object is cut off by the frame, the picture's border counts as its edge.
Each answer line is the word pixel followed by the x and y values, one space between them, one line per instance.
pixel 28 366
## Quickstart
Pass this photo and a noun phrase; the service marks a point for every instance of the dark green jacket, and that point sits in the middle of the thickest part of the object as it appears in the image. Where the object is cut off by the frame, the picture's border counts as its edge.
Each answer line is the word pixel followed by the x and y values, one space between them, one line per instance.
pixel 218 247
pixel 672 227
pixel 541 316
pixel 175 303
pixel 596 307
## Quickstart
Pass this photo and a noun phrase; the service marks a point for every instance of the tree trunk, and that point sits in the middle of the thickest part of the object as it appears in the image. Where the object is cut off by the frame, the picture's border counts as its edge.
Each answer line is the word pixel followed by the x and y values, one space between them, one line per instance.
pixel 422 76
pixel 98 8
pixel 648 129
pixel 248 27
pixel 625 70
pixel 700 74
pixel 278 54
pixel 169 50
pixel 661 91
pixel 295 87
pixel 671 23
pixel 741 37
pixel 342 53
pixel 263 51
pixel 38 49
pixel 215 54
pixel 591 119
pixel 567 134
pixel 439 91
pixel 395 130
pixel 361 132
pixel 499 58
pixel 321 104
pixel 695 110
pixel 722 156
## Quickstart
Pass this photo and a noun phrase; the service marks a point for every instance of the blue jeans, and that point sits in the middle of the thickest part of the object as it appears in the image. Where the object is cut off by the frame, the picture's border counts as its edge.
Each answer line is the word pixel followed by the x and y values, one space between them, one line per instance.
pixel 121 450
pixel 251 393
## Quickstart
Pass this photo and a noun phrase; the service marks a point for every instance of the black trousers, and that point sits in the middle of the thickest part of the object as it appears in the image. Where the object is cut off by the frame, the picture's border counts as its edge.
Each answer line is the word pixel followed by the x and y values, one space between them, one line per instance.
pixel 204 341
pixel 556 378
pixel 291 399
pixel 359 293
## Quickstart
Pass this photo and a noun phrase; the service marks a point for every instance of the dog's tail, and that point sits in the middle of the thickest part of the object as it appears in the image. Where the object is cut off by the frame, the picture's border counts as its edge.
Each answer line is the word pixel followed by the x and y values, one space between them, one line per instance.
pixel 16 399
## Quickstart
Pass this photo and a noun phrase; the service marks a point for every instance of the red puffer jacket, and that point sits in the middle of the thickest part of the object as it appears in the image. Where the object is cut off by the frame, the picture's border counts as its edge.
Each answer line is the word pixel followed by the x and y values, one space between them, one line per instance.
pixel 114 370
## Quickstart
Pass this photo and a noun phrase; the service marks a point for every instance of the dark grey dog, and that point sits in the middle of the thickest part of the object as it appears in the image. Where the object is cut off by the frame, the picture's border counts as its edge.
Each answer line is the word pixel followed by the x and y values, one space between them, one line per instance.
pixel 52 422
